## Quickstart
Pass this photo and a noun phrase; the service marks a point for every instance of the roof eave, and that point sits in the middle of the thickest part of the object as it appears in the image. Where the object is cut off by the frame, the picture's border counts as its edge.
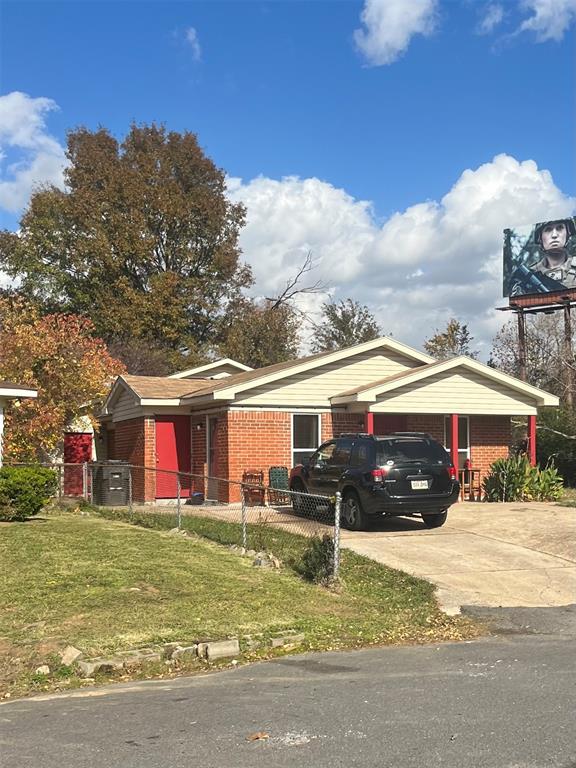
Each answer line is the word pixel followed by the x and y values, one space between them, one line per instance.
pixel 8 392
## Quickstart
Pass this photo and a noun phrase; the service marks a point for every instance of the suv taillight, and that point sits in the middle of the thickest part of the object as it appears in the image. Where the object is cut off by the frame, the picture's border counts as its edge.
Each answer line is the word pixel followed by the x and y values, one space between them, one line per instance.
pixel 378 475
pixel 452 473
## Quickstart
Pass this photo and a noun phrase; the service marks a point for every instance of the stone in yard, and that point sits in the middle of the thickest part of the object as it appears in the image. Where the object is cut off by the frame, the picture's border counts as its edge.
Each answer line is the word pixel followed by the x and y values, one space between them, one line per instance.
pixel 44 669
pixel 201 650
pixel 187 652
pixel 222 649
pixel 169 648
pixel 262 561
pixel 69 655
pixel 278 642
pixel 141 658
pixel 90 668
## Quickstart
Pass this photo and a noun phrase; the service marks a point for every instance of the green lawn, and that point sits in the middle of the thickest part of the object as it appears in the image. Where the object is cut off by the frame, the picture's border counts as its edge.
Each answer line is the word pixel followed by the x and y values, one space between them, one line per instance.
pixel 105 585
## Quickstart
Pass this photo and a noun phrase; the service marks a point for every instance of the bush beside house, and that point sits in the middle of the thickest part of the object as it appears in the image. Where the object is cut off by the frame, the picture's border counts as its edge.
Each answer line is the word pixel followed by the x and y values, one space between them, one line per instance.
pixel 24 491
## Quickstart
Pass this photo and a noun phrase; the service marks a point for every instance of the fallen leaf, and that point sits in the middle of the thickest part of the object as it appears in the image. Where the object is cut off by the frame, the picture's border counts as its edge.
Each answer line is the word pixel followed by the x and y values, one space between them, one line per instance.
pixel 258 736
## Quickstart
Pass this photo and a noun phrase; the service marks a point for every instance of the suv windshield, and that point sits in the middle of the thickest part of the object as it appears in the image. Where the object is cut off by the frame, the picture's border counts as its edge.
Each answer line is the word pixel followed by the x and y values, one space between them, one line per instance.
pixel 410 449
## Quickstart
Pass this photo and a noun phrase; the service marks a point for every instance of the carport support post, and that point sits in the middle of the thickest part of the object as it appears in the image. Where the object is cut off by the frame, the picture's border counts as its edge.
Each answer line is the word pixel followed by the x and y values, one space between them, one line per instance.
pixel 532 440
pixel 454 439
pixel 179 502
pixel 369 423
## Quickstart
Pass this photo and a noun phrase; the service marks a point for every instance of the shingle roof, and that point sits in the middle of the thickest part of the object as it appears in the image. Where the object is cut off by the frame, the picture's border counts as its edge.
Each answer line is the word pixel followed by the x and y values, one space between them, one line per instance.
pixel 161 387
pixel 257 373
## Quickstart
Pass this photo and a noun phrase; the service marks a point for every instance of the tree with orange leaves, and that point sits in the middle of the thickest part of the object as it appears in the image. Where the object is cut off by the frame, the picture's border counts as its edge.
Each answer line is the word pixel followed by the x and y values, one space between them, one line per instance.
pixel 59 356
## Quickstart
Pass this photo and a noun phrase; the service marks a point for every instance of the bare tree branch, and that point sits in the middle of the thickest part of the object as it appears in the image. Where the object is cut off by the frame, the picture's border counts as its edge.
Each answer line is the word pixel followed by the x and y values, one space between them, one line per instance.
pixel 292 288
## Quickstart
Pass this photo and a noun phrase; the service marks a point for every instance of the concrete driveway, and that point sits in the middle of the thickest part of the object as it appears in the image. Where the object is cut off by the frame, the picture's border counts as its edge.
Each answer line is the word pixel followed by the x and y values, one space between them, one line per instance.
pixel 498 555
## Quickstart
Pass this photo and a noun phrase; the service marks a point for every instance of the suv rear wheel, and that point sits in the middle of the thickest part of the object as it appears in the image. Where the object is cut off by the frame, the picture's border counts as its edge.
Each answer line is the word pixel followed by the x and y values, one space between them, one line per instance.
pixel 353 516
pixel 435 520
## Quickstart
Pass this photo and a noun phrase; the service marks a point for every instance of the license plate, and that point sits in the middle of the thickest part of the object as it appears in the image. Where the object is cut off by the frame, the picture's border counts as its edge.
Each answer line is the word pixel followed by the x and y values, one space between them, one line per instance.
pixel 419 485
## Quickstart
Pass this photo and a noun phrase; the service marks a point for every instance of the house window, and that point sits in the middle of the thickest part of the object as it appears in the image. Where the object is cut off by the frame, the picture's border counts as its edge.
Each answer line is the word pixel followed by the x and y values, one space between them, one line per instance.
pixel 463 438
pixel 305 436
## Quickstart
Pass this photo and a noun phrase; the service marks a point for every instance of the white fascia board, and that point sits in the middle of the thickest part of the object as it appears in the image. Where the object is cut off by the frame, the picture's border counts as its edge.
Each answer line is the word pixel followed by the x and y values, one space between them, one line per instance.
pixel 308 365
pixel 209 367
pixel 160 401
pixel 8 392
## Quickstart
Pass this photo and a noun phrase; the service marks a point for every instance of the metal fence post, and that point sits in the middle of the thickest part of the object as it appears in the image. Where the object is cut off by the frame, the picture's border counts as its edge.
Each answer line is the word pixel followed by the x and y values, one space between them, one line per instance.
pixel 85 480
pixel 178 501
pixel 130 488
pixel 244 526
pixel 60 490
pixel 337 510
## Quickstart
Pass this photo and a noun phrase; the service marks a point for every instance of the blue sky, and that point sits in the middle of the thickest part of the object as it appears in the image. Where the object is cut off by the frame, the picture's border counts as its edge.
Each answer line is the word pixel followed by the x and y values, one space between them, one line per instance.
pixel 386 133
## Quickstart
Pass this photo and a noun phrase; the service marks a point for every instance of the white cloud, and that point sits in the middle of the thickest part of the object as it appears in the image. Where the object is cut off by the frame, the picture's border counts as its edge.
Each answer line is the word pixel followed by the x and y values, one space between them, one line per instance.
pixel 191 36
pixel 434 260
pixel 550 19
pixel 39 157
pixel 492 18
pixel 389 25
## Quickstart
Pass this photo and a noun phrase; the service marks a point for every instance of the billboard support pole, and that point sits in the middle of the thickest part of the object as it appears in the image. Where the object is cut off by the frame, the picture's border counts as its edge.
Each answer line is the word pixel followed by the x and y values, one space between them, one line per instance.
pixel 521 343
pixel 568 354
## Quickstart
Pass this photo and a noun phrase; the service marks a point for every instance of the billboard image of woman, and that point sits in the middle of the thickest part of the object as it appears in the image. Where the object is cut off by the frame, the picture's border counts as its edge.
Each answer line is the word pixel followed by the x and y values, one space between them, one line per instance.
pixel 540 258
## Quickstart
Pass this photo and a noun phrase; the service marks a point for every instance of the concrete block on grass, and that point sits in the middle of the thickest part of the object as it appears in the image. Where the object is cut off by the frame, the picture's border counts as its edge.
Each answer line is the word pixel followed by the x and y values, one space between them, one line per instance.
pixel 220 649
pixel 186 652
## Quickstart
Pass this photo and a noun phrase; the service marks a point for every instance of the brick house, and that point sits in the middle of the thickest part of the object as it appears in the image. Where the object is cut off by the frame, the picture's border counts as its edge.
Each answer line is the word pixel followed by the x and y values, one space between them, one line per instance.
pixel 222 419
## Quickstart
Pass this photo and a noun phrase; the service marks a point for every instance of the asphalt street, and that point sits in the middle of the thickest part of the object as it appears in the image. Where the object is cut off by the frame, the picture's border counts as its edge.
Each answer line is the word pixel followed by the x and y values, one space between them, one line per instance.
pixel 500 702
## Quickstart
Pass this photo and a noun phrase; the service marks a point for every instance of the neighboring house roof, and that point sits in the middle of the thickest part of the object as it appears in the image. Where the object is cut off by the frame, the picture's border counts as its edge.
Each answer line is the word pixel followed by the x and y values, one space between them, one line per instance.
pixel 219 368
pixel 9 389
pixel 370 392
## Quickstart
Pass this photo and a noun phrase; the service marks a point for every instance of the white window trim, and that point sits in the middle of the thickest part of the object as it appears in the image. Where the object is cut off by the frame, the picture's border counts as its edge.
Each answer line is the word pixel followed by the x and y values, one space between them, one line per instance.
pixel 464 451
pixel 318 434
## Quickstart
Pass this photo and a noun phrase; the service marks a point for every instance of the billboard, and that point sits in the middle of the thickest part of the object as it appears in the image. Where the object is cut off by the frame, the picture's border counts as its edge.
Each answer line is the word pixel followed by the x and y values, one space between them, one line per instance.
pixel 540 258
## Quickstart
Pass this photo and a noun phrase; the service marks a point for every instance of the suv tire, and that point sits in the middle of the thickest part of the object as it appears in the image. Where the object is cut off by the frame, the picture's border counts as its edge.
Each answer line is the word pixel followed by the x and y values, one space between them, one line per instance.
pixel 353 516
pixel 298 488
pixel 435 520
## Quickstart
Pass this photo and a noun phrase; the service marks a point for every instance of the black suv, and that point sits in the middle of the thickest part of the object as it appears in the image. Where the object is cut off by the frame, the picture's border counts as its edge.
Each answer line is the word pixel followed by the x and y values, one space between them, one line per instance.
pixel 403 473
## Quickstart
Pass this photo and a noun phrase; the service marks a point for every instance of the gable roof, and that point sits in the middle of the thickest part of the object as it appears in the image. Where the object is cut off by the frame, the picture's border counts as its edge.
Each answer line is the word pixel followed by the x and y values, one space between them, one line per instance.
pixel 368 393
pixel 226 389
pixel 154 388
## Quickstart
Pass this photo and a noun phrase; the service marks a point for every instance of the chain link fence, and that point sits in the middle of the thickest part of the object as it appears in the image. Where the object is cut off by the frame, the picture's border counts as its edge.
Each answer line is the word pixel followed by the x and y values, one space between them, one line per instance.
pixel 253 516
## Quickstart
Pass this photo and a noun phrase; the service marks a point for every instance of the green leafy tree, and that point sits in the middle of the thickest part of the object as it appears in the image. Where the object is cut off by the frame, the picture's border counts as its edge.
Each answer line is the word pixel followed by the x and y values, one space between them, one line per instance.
pixel 343 324
pixel 143 240
pixel 261 333
pixel 453 341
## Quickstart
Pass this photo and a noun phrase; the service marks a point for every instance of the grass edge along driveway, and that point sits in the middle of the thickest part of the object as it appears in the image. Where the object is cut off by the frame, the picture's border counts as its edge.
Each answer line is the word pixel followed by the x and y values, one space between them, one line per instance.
pixel 104 585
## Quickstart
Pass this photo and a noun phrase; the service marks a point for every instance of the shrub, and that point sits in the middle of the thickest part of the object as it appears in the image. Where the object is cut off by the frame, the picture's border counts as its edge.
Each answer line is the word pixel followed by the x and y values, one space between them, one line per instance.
pixel 317 563
pixel 514 479
pixel 25 490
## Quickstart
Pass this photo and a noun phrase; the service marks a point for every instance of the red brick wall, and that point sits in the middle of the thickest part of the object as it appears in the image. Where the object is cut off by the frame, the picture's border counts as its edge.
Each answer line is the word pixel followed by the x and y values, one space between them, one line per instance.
pixel 135 442
pixel 333 424
pixel 433 425
pixel 489 439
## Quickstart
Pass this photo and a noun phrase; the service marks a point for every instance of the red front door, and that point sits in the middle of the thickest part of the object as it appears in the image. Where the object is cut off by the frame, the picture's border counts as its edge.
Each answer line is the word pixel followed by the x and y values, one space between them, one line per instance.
pixel 384 423
pixel 77 451
pixel 173 454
